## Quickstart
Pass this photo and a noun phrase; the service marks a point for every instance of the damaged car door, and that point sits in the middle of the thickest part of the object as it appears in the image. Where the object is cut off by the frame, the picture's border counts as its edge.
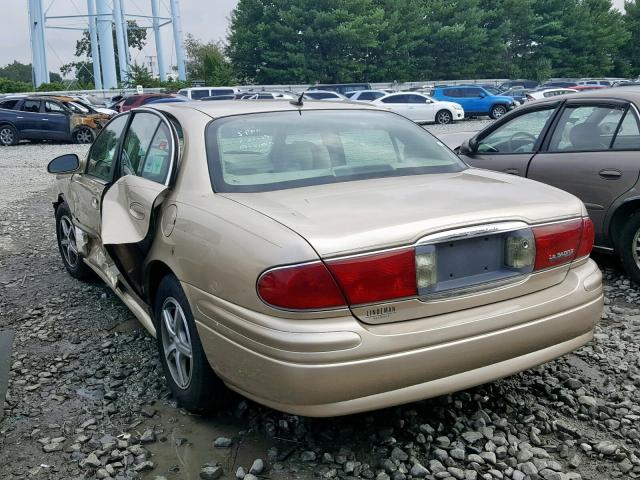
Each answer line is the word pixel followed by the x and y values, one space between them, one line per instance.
pixel 145 168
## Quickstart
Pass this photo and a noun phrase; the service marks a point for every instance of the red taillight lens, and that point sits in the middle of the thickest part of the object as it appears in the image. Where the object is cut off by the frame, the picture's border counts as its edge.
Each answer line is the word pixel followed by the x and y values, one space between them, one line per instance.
pixel 300 287
pixel 557 244
pixel 588 238
pixel 376 277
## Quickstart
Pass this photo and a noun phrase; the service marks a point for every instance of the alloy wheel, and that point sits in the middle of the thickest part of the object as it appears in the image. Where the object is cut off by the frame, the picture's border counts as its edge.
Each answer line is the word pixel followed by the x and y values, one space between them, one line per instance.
pixel 83 136
pixel 176 343
pixel 499 111
pixel 635 247
pixel 6 136
pixel 68 241
pixel 444 118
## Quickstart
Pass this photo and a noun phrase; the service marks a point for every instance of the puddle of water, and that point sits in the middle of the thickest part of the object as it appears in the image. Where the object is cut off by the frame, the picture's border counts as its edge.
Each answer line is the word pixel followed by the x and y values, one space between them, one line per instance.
pixel 184 461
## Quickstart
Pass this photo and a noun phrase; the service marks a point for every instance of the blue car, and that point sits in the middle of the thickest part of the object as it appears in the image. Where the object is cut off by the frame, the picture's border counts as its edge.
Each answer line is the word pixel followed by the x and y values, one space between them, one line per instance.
pixel 476 101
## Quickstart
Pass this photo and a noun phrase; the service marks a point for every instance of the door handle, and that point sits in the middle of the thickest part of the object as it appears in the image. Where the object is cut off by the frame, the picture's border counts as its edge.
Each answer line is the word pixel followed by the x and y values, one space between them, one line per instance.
pixel 610 174
pixel 94 202
pixel 45 119
pixel 136 210
pixel 19 118
pixel 512 171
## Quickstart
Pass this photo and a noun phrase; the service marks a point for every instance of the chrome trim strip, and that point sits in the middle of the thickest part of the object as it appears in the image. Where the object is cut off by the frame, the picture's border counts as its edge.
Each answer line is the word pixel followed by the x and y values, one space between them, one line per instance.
pixel 472 232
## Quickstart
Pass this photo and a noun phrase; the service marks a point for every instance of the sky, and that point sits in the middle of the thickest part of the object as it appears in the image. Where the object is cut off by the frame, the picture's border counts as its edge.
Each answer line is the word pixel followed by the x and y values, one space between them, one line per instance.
pixel 205 19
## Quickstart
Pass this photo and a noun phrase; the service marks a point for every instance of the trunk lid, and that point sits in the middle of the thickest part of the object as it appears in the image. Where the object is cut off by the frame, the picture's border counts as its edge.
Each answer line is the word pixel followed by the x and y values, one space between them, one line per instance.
pixel 367 216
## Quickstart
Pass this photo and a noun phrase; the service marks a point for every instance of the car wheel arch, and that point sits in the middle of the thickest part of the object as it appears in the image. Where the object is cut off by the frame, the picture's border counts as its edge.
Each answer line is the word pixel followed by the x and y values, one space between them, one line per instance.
pixel 155 271
pixel 619 218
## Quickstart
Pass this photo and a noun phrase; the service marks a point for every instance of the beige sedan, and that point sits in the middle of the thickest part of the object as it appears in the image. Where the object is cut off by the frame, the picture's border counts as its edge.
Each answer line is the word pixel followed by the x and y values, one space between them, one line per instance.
pixel 323 259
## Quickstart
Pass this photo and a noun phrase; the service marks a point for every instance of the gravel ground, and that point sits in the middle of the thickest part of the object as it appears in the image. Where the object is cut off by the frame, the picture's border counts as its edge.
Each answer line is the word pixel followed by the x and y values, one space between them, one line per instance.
pixel 87 398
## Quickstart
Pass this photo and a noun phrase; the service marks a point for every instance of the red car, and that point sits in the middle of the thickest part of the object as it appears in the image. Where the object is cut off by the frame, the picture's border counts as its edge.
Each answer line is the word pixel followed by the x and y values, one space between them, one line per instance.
pixel 137 100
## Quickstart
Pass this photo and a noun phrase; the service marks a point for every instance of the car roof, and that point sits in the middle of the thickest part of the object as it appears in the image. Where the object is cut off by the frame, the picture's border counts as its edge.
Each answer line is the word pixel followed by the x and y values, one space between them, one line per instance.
pixel 225 108
pixel 619 93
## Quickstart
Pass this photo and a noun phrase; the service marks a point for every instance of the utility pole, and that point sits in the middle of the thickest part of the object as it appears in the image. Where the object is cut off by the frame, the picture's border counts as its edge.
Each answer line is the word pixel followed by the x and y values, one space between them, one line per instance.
pixel 123 54
pixel 162 71
pixel 95 49
pixel 38 47
pixel 105 39
pixel 178 38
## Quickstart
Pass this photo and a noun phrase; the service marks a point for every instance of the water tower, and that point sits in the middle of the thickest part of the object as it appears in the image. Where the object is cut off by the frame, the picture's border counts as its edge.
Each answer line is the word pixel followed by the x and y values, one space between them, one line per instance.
pixel 102 16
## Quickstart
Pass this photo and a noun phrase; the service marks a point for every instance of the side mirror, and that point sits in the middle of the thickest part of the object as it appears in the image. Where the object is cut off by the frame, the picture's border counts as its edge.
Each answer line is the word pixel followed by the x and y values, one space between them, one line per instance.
pixel 468 147
pixel 483 95
pixel 64 164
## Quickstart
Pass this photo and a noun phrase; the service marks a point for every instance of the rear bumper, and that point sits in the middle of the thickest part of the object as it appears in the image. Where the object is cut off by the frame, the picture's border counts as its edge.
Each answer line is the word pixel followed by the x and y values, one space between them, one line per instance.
pixel 338 366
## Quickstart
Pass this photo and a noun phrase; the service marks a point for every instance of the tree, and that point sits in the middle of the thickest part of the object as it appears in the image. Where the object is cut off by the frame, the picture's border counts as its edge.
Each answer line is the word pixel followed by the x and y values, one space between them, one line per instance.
pixel 21 72
pixel 630 53
pixel 206 61
pixel 83 68
pixel 285 41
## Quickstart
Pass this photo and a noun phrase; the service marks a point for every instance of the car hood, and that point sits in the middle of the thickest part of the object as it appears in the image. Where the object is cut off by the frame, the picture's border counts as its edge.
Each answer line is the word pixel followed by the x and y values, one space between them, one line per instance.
pixel 356 216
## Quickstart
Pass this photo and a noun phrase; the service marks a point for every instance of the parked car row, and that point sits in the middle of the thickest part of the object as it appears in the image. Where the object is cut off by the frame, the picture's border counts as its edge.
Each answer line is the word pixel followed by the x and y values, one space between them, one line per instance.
pixel 56 118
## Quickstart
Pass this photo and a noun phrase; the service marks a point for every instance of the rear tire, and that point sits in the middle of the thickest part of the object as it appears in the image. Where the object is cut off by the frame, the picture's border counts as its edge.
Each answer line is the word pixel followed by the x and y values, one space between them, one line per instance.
pixel 189 375
pixel 8 136
pixel 66 235
pixel 83 135
pixel 444 117
pixel 497 111
pixel 629 247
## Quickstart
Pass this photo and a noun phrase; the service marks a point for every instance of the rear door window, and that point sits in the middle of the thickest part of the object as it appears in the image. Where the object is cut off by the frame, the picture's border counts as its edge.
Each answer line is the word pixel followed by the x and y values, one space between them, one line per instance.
pixel 31 106
pixel 198 94
pixel 628 136
pixel 396 99
pixel 586 128
pixel 9 104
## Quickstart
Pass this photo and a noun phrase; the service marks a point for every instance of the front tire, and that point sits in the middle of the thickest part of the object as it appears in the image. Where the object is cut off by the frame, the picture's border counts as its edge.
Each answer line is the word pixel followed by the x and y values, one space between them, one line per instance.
pixel 444 117
pixel 83 135
pixel 66 235
pixel 189 375
pixel 629 247
pixel 8 136
pixel 497 111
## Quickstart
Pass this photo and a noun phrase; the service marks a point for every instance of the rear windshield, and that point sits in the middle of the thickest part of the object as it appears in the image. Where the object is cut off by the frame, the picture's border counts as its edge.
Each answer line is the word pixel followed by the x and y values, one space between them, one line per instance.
pixel 278 150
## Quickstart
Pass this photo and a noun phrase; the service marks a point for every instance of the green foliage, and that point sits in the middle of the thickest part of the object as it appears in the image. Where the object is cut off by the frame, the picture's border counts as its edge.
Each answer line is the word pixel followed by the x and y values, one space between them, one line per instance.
pixel 206 61
pixel 14 86
pixel 306 41
pixel 52 87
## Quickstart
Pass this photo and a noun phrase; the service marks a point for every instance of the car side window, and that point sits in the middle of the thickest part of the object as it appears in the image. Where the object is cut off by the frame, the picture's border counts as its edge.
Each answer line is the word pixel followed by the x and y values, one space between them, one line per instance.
pixel 586 128
pixel 416 99
pixel 452 92
pixel 158 159
pixel 31 106
pixel 137 142
pixel 103 150
pixel 518 135
pixel 9 104
pixel 396 99
pixel 53 107
pixel 628 136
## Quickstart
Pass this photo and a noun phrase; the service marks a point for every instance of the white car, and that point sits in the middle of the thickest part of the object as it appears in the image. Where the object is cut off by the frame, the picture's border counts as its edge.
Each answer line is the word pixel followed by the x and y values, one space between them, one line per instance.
pixel 266 96
pixel 549 92
pixel 421 108
pixel 366 95
pixel 326 95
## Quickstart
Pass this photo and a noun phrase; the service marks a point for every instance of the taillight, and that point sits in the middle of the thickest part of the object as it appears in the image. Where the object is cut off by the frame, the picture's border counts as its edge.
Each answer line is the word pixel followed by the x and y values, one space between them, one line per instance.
pixel 300 287
pixel 376 277
pixel 561 243
pixel 588 238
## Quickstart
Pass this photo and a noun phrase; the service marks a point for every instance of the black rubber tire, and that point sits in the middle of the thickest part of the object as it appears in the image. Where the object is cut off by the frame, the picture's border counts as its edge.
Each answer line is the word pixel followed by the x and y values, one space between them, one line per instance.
pixel 497 111
pixel 80 133
pixel 12 132
pixel 206 392
pixel 626 246
pixel 79 269
pixel 440 122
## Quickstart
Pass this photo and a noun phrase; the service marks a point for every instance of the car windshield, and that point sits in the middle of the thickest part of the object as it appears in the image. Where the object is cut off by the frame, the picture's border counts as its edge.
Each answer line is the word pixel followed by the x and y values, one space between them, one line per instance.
pixel 76 107
pixel 272 151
